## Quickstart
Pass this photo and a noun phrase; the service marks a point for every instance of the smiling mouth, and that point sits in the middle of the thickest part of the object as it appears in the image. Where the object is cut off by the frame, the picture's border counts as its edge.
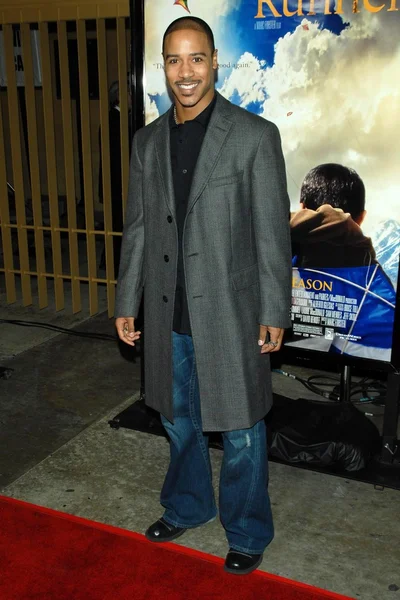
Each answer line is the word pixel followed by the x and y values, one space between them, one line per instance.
pixel 187 86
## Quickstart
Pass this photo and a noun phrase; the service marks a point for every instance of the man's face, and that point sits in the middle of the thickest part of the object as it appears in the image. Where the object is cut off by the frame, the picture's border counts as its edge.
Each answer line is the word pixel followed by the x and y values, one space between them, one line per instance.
pixel 189 68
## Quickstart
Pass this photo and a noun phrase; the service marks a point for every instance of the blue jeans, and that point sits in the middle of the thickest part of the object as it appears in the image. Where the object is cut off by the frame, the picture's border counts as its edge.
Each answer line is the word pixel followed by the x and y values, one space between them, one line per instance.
pixel 187 494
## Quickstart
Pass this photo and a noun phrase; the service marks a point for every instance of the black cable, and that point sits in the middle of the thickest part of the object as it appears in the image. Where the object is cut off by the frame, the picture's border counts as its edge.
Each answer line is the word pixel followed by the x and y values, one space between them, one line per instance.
pixel 329 388
pixel 86 334
pixel 310 386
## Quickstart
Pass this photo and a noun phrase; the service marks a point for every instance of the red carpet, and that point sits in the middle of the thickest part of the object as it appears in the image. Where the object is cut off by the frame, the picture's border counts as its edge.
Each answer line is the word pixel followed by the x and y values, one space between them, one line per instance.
pixel 48 555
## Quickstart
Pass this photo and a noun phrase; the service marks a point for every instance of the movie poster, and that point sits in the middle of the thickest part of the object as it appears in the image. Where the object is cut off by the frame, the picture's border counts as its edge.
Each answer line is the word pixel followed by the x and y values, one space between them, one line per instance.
pixel 327 73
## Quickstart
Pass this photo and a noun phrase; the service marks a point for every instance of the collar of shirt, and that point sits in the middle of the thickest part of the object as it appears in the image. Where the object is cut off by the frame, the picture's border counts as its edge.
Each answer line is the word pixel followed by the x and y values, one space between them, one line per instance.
pixel 203 118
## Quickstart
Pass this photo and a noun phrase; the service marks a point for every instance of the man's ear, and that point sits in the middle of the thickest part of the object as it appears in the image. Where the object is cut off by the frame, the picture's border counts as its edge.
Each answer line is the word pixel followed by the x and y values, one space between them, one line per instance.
pixel 215 59
pixel 302 207
pixel 361 217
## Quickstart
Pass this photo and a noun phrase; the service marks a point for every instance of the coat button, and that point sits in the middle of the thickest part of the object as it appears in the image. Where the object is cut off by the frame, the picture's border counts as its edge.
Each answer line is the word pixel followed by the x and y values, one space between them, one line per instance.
pixel 169 219
pixel 165 298
pixel 166 257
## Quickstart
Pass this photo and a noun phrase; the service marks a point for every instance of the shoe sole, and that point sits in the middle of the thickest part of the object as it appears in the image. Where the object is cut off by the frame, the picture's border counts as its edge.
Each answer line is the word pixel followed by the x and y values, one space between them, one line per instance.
pixel 162 541
pixel 244 571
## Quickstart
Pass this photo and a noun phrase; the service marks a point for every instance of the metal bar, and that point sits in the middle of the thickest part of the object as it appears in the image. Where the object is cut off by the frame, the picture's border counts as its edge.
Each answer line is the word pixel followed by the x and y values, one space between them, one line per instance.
pixel 62 229
pixel 345 383
pixel 69 165
pixel 51 163
pixel 8 258
pixel 87 161
pixel 137 62
pixel 16 154
pixel 391 419
pixel 66 277
pixel 123 101
pixel 34 164
pixel 35 11
pixel 105 158
pixel 136 9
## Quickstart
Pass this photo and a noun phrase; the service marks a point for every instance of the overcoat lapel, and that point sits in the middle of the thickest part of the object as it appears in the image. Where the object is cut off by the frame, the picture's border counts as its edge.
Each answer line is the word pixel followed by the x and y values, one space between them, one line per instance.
pixel 163 155
pixel 214 141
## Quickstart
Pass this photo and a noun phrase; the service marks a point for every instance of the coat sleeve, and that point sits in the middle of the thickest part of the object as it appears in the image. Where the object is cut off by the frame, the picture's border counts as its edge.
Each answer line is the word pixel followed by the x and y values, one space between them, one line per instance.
pixel 271 214
pixel 130 279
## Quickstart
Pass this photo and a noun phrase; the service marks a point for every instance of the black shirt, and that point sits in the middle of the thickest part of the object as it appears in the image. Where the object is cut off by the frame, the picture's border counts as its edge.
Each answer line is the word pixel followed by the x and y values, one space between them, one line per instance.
pixel 185 144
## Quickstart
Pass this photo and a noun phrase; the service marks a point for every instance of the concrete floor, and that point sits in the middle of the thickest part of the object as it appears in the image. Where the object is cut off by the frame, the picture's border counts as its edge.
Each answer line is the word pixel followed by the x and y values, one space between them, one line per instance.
pixel 59 451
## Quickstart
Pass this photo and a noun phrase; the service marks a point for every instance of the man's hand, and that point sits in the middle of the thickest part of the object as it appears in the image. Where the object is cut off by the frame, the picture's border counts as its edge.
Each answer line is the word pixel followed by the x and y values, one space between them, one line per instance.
pixel 126 330
pixel 270 338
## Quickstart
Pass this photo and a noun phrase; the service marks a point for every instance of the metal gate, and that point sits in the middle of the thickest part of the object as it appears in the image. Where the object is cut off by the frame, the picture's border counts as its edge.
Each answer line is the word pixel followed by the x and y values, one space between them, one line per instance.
pixel 54 118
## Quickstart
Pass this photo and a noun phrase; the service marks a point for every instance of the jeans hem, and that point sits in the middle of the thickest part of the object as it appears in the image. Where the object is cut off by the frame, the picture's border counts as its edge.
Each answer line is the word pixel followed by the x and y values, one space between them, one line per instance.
pixel 176 524
pixel 248 550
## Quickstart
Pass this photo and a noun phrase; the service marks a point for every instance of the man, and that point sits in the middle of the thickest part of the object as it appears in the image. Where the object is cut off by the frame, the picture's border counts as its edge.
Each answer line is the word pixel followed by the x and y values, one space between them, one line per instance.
pixel 207 237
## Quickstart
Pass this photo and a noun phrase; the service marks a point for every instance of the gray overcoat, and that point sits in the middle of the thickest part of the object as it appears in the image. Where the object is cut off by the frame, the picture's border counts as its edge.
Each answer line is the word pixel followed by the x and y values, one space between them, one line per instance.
pixel 237 261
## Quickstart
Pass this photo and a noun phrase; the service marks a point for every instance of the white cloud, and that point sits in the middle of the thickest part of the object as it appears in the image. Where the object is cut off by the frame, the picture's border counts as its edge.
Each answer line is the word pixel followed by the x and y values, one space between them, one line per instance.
pixel 151 109
pixel 247 80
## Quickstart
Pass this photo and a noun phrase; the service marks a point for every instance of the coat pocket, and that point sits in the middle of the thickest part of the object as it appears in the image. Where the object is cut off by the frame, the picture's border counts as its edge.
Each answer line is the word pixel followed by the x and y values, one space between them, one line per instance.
pixel 226 180
pixel 244 278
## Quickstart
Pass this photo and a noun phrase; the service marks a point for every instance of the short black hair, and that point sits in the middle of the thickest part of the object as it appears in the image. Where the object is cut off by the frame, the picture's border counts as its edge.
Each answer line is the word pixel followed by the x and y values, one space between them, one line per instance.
pixel 190 23
pixel 334 184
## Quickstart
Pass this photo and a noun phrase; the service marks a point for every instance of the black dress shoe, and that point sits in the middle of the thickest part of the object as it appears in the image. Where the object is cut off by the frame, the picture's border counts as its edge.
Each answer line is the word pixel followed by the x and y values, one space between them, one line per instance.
pixel 240 563
pixel 161 531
